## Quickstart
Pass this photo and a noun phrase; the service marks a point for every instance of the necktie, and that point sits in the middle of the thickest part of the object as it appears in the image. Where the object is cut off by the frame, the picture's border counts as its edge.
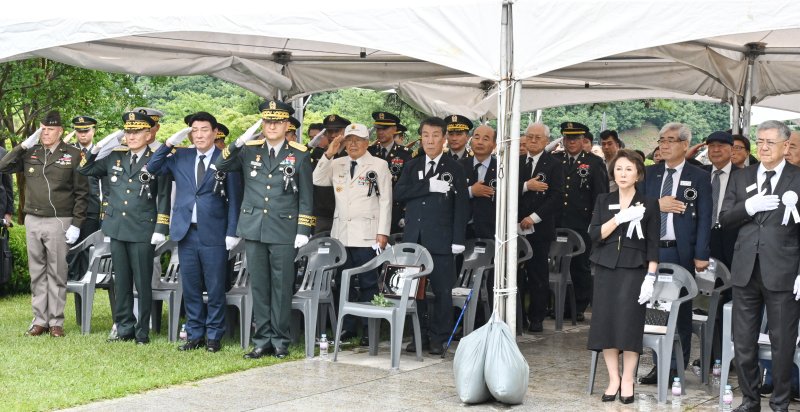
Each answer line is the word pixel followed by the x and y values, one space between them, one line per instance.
pixel 571 161
pixel 271 153
pixel 455 156
pixel 768 182
pixel 431 169
pixel 134 158
pixel 529 165
pixel 201 169
pixel 383 153
pixel 666 190
pixel 715 196
pixel 353 165
pixel 85 151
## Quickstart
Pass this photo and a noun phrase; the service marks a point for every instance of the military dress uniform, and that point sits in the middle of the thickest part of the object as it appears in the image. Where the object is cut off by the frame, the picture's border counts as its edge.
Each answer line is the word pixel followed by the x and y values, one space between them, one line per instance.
pixel 324 199
pixel 79 263
pixel 396 156
pixel 457 123
pixel 138 205
pixel 276 207
pixel 584 178
pixel 55 199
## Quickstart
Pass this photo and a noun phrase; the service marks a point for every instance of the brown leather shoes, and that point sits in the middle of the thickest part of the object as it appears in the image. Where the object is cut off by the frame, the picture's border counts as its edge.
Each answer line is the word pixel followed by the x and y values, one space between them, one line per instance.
pixel 57 332
pixel 36 330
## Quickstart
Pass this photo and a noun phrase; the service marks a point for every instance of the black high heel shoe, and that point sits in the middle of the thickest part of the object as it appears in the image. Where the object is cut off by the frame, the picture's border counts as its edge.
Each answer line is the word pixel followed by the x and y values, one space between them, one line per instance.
pixel 627 399
pixel 610 398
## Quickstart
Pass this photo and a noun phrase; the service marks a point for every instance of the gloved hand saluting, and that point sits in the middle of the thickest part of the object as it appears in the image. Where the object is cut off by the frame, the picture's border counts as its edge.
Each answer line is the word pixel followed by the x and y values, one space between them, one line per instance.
pixel 177 138
pixel 32 139
pixel 646 291
pixel 248 135
pixel 109 142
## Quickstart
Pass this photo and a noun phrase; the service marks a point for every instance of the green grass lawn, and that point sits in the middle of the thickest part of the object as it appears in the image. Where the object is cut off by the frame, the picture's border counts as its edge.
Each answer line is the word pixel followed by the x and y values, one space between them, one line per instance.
pixel 44 373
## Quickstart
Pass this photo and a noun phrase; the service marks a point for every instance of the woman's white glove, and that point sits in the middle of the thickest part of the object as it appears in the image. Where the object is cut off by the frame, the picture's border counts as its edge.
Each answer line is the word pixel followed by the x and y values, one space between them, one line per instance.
pixel 629 214
pixel 249 134
pixel 646 291
pixel 32 139
pixel 177 138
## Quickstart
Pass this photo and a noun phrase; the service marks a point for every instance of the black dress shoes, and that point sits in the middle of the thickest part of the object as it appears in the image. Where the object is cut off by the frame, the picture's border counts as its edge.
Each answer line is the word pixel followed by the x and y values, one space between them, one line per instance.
pixel 192 344
pixel 213 346
pixel 121 338
pixel 412 347
pixel 651 378
pixel 748 406
pixel 610 398
pixel 437 349
pixel 535 327
pixel 364 341
pixel 259 352
pixel 142 341
pixel 766 389
pixel 281 353
pixel 347 335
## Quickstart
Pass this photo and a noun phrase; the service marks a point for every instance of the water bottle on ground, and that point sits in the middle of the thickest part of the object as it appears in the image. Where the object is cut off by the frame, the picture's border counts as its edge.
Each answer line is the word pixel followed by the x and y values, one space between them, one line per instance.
pixel 716 371
pixel 676 392
pixel 323 347
pixel 727 399
pixel 183 336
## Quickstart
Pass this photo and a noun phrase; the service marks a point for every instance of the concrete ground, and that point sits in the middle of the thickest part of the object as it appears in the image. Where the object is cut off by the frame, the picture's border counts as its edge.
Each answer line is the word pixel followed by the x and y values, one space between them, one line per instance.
pixel 559 369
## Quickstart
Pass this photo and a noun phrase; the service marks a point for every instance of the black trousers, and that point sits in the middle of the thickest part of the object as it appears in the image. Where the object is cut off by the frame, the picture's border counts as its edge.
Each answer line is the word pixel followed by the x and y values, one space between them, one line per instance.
pixel 581 272
pixel 441 280
pixel 367 283
pixel 537 281
pixel 783 312
pixel 78 263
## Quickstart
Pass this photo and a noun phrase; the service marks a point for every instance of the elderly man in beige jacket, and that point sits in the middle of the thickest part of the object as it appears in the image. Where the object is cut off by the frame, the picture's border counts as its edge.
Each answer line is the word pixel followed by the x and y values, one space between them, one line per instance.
pixel 363 189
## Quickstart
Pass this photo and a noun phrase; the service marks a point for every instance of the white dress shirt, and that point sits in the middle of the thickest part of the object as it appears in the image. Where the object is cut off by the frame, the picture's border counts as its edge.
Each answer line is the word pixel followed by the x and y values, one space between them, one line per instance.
pixel 676 179
pixel 723 185
pixel 206 163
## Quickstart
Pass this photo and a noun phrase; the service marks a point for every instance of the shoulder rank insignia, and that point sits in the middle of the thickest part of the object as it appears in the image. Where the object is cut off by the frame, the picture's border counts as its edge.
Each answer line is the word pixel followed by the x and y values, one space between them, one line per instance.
pixel 122 149
pixel 298 146
pixel 255 142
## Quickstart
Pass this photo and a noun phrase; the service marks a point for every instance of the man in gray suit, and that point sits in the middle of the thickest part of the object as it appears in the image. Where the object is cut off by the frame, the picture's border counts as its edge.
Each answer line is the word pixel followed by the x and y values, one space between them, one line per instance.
pixel 761 201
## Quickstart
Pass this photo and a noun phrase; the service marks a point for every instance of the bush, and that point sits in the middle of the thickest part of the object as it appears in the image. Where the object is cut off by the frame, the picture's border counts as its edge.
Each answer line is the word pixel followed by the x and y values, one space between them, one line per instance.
pixel 20 277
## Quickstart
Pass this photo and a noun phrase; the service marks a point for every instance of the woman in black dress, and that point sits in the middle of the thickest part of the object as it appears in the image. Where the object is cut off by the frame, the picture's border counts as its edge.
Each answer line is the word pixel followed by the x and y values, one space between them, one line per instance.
pixel 625 230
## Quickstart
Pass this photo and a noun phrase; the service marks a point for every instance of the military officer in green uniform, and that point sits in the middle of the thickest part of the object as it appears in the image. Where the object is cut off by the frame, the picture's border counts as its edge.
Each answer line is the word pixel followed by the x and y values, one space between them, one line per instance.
pixel 275 219
pixel 136 219
pixel 396 155
pixel 458 128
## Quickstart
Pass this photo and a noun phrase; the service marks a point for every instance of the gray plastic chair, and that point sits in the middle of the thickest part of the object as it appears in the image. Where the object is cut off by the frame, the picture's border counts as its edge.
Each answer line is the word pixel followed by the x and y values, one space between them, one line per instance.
pixel 409 254
pixel 704 329
pixel 667 343
pixel 321 257
pixel 727 348
pixel 98 276
pixel 478 262
pixel 567 245
pixel 167 287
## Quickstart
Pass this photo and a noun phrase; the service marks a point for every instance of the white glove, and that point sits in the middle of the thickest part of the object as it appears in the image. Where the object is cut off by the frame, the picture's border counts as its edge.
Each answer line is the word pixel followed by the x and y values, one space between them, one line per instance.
pixel 68 137
pixel 438 186
pixel 401 223
pixel 111 141
pixel 300 241
pixel 647 289
pixel 32 139
pixel 796 289
pixel 231 242
pixel 552 145
pixel 761 203
pixel 457 249
pixel 157 238
pixel 248 134
pixel 72 234
pixel 177 138
pixel 629 214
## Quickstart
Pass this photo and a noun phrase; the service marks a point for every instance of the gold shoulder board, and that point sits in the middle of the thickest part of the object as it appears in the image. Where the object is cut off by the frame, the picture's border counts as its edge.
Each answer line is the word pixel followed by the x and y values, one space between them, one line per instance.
pixel 298 146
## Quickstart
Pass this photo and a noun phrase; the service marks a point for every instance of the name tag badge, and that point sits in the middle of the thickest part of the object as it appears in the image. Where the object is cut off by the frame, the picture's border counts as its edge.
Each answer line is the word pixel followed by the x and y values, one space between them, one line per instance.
pixel 117 168
pixel 685 183
pixel 751 188
pixel 255 164
pixel 613 207
pixel 420 175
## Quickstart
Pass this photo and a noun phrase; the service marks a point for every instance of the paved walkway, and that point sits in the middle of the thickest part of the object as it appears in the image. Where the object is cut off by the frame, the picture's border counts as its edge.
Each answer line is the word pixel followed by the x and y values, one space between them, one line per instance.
pixel 559 365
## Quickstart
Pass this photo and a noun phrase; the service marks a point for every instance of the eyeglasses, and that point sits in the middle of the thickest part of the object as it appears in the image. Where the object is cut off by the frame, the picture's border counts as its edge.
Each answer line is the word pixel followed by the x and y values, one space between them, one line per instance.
pixel 770 144
pixel 738 148
pixel 667 141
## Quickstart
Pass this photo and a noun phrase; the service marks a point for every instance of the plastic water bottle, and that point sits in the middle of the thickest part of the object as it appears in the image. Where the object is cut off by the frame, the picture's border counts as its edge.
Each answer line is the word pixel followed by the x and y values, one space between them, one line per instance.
pixel 727 398
pixel 323 347
pixel 716 371
pixel 183 336
pixel 676 392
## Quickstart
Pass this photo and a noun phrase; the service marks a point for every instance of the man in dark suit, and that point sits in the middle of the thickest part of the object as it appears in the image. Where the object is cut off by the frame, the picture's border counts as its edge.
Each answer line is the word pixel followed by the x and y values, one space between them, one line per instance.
pixel 541 194
pixel 481 173
pixel 396 155
pixel 684 193
pixel 585 178
pixel 760 201
pixel 434 189
pixel 204 222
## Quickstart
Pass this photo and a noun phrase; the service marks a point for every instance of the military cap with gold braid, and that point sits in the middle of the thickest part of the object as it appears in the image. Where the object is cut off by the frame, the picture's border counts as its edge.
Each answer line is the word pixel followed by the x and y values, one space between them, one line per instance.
pixel 385 119
pixel 458 123
pixel 222 131
pixel 154 114
pixel 573 129
pixel 83 122
pixel 294 124
pixel 275 110
pixel 400 129
pixel 334 121
pixel 137 121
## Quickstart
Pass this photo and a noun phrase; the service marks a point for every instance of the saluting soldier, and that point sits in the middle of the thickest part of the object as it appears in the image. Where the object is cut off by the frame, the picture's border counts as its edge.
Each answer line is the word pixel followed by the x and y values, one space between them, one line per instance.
pixel 396 156
pixel 136 218
pixel 400 135
pixel 222 134
pixel 156 116
pixel 275 219
pixel 324 199
pixel 55 207
pixel 585 178
pixel 84 130
pixel 458 128
pixel 291 133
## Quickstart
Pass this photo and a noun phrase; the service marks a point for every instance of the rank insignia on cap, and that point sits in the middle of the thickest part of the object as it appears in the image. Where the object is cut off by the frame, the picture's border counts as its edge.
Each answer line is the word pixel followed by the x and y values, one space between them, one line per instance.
pixel 272 105
pixel 332 117
pixel 381 116
pixel 132 116
pixel 454 118
pixel 80 120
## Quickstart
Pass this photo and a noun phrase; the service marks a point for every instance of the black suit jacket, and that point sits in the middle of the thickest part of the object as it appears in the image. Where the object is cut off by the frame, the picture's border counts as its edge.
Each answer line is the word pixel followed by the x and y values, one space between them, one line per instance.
pixel 433 220
pixel 548 204
pixel 722 238
pixel 6 190
pixel 617 250
pixel 584 181
pixel 482 208
pixel 777 246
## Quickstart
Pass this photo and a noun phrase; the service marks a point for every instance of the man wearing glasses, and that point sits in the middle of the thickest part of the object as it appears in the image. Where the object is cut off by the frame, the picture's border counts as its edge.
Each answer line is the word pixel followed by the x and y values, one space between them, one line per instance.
pixel 761 201
pixel 684 193
pixel 740 156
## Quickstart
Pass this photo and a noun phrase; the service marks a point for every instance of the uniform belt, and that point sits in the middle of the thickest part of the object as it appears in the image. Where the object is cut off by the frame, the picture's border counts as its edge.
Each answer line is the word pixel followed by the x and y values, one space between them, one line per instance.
pixel 193 226
pixel 667 243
